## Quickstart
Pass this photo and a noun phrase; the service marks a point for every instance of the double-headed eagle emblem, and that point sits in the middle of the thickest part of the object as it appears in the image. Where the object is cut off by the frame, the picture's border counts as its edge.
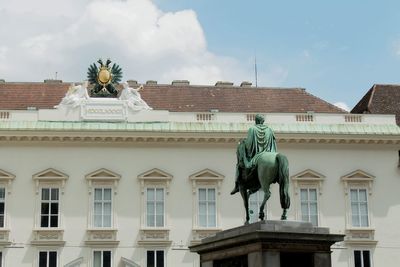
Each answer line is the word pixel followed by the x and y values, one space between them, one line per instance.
pixel 104 79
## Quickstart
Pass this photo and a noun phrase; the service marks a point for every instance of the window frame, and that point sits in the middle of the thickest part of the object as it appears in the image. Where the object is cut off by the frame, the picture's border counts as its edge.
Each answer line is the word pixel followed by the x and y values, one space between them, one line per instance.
pixel 48 250
pixel 207 188
pixel 102 250
pixel 155 204
pixel 155 256
pixel 102 202
pixel 361 249
pixel 49 201
pixel 358 203
pixel 308 188
pixel 308 179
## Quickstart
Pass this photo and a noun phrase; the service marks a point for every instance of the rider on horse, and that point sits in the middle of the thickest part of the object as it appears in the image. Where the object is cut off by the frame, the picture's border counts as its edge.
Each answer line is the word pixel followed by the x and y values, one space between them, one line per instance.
pixel 260 138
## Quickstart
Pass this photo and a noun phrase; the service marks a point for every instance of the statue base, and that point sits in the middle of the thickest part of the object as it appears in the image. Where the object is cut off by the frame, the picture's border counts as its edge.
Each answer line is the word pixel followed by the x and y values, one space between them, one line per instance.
pixel 268 244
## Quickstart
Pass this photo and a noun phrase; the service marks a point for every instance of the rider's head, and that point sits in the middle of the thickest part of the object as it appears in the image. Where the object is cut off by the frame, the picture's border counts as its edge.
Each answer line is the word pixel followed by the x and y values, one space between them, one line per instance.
pixel 259 119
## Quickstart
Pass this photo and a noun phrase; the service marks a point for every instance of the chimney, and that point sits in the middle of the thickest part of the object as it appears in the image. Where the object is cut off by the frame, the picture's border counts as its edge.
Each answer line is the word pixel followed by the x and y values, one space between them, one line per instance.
pixel 180 82
pixel 132 83
pixel 224 83
pixel 245 84
pixel 151 82
pixel 52 81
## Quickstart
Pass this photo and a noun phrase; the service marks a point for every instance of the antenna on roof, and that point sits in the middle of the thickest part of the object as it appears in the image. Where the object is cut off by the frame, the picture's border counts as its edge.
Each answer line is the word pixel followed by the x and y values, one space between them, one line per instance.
pixel 255 69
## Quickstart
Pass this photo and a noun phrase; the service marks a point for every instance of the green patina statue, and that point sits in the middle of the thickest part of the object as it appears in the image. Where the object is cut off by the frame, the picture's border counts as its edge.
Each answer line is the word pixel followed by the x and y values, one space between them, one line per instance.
pixel 259 165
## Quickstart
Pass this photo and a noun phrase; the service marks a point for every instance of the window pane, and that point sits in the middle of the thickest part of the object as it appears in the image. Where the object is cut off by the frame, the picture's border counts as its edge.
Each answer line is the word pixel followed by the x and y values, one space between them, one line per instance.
pixel 159 220
pixel 2 193
pixel 160 194
pixel 364 220
pixel 304 209
pixel 304 194
pixel 54 221
pixel 313 194
pixel 363 209
pixel 107 208
pixel 363 195
pixel 202 194
pixel 160 258
pixel 313 209
pixel 150 193
pixel 54 194
pixel 97 209
pixel 366 258
pixel 211 208
pixel 211 221
pixel 150 220
pixel 107 221
pixel 211 194
pixel 98 194
pixel 42 259
pixel 160 208
pixel 97 259
pixel 1 207
pixel 44 221
pixel 45 194
pixel 314 220
pixel 1 223
pixel 45 208
pixel 354 195
pixel 357 258
pixel 106 258
pixel 52 259
pixel 150 258
pixel 54 208
pixel 202 220
pixel 355 220
pixel 354 209
pixel 97 221
pixel 1 259
pixel 107 194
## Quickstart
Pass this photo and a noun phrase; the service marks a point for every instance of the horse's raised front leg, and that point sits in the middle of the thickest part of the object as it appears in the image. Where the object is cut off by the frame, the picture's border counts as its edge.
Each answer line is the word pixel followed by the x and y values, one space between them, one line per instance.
pixel 267 194
pixel 245 196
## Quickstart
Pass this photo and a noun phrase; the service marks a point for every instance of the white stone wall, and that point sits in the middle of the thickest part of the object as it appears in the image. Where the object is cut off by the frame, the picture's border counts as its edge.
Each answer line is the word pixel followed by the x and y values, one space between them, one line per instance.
pixel 76 160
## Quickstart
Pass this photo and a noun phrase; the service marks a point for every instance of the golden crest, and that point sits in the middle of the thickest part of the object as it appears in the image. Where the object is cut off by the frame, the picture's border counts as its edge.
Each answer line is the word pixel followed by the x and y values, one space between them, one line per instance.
pixel 104 76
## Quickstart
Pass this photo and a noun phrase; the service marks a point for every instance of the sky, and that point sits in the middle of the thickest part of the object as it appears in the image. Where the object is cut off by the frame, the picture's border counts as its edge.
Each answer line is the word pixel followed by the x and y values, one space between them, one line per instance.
pixel 336 50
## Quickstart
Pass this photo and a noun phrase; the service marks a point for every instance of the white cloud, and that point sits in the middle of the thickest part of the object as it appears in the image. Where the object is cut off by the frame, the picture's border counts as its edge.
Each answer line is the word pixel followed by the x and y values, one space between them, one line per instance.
pixel 47 36
pixel 342 105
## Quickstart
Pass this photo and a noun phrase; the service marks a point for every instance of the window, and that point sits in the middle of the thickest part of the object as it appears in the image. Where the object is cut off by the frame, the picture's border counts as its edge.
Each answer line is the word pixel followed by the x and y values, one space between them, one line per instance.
pixel 48 259
pixel 207 207
pixel 1 258
pixel 102 258
pixel 2 207
pixel 359 207
pixel 155 258
pixel 49 207
pixel 155 207
pixel 102 207
pixel 309 205
pixel 255 201
pixel 308 187
pixel 362 258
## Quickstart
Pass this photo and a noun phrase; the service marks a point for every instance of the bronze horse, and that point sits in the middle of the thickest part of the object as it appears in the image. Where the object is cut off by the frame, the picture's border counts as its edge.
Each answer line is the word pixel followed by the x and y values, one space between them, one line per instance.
pixel 269 167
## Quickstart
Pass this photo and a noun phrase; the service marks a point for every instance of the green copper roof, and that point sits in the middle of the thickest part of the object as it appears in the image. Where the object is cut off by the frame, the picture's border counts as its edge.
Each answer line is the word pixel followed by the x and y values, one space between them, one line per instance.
pixel 208 127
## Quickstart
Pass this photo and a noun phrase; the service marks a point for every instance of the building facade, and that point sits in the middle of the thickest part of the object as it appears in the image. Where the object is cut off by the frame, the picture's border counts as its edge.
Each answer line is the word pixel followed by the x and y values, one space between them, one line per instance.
pixel 103 185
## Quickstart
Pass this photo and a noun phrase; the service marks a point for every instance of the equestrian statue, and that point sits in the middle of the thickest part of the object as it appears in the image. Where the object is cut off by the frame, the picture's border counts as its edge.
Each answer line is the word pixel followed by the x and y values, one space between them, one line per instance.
pixel 259 165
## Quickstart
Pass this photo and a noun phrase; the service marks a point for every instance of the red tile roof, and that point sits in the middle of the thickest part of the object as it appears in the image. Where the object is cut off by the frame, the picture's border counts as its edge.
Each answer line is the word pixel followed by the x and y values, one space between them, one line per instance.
pixel 183 98
pixel 380 99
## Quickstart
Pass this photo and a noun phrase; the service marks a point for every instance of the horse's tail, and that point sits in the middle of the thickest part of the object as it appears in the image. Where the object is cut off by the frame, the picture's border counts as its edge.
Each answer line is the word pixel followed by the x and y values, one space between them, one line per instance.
pixel 283 180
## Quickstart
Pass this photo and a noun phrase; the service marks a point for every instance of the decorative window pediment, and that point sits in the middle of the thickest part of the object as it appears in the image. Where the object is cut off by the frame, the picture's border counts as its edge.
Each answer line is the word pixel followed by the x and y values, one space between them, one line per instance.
pixel 206 177
pixel 308 178
pixel 51 177
pixel 103 177
pixel 6 178
pixel 358 178
pixel 155 177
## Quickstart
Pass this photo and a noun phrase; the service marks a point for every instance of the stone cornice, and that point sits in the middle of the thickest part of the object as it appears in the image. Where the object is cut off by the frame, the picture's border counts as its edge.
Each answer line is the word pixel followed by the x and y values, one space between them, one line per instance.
pixel 188 137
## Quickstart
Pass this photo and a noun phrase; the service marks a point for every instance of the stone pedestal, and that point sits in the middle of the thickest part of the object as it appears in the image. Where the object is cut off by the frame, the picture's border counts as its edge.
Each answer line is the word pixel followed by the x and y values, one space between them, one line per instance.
pixel 268 244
